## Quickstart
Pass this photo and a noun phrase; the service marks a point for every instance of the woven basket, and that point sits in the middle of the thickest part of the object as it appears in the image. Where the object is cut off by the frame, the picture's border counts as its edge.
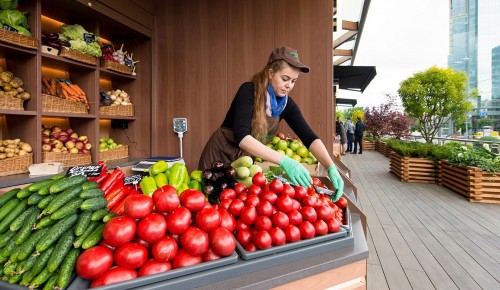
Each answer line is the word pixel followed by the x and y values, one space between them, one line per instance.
pixel 116 66
pixel 10 103
pixel 68 159
pixel 120 110
pixel 18 39
pixel 117 153
pixel 78 56
pixel 56 104
pixel 15 165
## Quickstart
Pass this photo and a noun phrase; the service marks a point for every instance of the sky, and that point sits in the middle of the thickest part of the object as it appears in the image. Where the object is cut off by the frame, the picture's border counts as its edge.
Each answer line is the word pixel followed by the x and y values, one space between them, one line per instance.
pixel 399 38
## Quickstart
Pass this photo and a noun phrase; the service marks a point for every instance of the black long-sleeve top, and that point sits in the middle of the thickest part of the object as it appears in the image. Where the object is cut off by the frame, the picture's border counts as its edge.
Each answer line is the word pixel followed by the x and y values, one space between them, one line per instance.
pixel 239 116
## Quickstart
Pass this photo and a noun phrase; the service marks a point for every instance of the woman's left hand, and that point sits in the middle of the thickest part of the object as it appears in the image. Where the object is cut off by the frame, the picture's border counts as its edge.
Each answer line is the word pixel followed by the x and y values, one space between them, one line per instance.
pixel 337 181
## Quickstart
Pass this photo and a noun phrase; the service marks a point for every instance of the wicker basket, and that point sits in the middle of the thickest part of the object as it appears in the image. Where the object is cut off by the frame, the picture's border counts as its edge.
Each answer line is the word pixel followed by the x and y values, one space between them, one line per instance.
pixel 18 39
pixel 111 65
pixel 117 153
pixel 126 111
pixel 10 103
pixel 78 56
pixel 68 159
pixel 16 165
pixel 56 104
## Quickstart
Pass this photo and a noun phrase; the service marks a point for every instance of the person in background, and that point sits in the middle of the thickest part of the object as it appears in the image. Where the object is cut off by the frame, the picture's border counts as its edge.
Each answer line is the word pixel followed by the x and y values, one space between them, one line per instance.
pixel 254 115
pixel 349 129
pixel 358 136
pixel 339 128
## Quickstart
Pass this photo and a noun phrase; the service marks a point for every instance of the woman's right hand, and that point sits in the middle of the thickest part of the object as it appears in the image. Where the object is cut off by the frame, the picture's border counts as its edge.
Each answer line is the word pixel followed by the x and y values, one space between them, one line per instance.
pixel 297 173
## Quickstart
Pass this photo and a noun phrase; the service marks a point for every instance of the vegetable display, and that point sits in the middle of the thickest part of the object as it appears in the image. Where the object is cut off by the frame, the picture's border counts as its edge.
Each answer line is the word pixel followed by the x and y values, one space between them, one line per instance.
pixel 76 35
pixel 16 20
pixel 12 86
pixel 13 148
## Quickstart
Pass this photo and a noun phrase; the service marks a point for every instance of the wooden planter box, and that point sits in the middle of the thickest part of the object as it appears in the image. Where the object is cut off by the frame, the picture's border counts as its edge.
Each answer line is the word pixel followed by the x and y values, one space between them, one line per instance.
pixel 414 169
pixel 382 147
pixel 472 182
pixel 368 145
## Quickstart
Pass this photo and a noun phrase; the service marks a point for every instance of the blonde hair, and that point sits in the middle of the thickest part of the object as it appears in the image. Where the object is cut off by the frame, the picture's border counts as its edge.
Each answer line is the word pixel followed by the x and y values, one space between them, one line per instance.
pixel 261 81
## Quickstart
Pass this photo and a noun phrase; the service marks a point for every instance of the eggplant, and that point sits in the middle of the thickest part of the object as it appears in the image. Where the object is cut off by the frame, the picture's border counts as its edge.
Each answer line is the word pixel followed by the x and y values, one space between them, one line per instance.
pixel 207 174
pixel 208 189
pixel 230 171
pixel 217 166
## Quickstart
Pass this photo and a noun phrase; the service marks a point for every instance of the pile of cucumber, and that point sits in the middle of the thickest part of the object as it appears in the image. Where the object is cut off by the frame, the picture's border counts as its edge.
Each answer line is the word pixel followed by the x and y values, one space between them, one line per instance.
pixel 44 226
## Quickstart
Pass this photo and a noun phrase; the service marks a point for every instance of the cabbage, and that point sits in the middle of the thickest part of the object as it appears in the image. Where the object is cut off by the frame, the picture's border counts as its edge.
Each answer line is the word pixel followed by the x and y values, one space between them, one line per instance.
pixel 73 32
pixel 8 4
pixel 88 48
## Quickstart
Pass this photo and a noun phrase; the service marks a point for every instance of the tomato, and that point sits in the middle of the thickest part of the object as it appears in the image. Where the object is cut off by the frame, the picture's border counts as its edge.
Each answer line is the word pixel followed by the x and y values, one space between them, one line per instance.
pixel 240 225
pixel 222 242
pixel 254 189
pixel 192 199
pixel 250 247
pixel 342 202
pixel 208 219
pixel 296 204
pixel 324 212
pixel 263 223
pixel 227 220
pixel 284 203
pixel 242 196
pixel 320 227
pixel 310 200
pixel 300 192
pixel 119 231
pixel 166 198
pixel 295 217
pixel 265 208
pixel 248 215
pixel 94 262
pixel 153 267
pixel 325 200
pixel 333 225
pixel 210 255
pixel 104 244
pixel 259 179
pixel 152 228
pixel 224 203
pixel 252 200
pixel 269 196
pixel 131 256
pixel 179 220
pixel 244 237
pixel 239 188
pixel 184 259
pixel 288 190
pixel 277 236
pixel 292 234
pixel 280 220
pixel 195 241
pixel 334 207
pixel 317 182
pixel 307 230
pixel 227 193
pixel 262 240
pixel 114 275
pixel 276 186
pixel 309 213
pixel 138 206
pixel 236 207
pixel 165 249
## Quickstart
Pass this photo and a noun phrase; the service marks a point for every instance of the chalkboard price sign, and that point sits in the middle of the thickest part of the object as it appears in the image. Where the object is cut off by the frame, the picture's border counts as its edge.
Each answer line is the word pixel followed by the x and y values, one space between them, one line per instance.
pixel 9 28
pixel 87 170
pixel 89 37
pixel 133 179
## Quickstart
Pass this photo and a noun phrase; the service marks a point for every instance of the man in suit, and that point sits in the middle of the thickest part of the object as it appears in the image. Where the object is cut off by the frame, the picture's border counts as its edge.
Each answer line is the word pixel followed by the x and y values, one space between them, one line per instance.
pixel 358 136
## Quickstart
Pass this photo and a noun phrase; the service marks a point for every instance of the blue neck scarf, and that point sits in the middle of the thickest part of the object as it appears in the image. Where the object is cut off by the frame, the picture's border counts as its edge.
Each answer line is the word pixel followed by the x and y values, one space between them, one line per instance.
pixel 277 105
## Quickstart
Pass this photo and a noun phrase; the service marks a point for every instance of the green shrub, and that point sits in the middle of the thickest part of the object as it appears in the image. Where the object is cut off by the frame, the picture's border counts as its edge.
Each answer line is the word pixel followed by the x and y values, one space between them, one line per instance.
pixel 481 158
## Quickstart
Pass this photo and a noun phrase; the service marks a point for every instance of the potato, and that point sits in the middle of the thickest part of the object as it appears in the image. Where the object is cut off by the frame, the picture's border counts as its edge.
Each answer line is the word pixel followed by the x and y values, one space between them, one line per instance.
pixel 16 141
pixel 26 147
pixel 13 146
pixel 3 155
pixel 10 154
pixel 22 152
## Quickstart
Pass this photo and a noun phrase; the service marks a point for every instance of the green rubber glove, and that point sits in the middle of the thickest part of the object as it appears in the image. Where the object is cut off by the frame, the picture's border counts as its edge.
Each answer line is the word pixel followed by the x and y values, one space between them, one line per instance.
pixel 337 181
pixel 297 173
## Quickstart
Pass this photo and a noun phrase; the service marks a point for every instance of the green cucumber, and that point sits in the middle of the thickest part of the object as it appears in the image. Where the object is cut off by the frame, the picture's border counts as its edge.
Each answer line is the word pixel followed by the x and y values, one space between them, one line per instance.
pixel 18 210
pixel 83 222
pixel 65 183
pixel 90 228
pixel 41 278
pixel 51 283
pixel 63 198
pixel 45 222
pixel 58 176
pixel 23 193
pixel 26 278
pixel 8 207
pixel 46 201
pixel 62 248
pixel 94 203
pixel 44 190
pixel 34 187
pixel 30 244
pixel 15 278
pixel 27 228
pixel 41 262
pixel 98 215
pixel 69 208
pixel 93 192
pixel 5 238
pixel 6 252
pixel 9 268
pixel 26 264
pixel 94 238
pixel 34 199
pixel 17 224
pixel 89 185
pixel 67 267
pixel 14 254
pixel 8 196
pixel 109 216
pixel 56 231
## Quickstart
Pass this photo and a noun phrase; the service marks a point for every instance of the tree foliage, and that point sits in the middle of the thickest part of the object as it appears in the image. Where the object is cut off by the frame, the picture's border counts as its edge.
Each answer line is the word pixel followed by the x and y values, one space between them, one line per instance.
pixel 480 123
pixel 434 96
pixel 385 120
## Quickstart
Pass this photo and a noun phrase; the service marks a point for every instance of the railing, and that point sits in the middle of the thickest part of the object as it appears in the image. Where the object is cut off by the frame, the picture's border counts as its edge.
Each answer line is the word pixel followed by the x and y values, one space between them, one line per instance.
pixel 494 145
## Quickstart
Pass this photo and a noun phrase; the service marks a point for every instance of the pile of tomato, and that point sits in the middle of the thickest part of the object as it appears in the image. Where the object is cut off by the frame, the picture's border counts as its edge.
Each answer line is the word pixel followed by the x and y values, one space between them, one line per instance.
pixel 156 234
pixel 272 214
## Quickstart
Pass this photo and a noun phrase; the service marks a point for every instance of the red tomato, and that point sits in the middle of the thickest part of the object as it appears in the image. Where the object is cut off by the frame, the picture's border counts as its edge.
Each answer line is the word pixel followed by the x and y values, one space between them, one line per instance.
pixel 292 234
pixel 236 207
pixel 152 228
pixel 138 206
pixel 208 219
pixel 94 262
pixel 288 190
pixel 165 249
pixel 265 208
pixel 295 217
pixel 227 220
pixel 179 220
pixel 244 237
pixel 259 179
pixel 242 196
pixel 317 182
pixel 153 267
pixel 310 200
pixel 224 203
pixel 284 203
pixel 255 189
pixel 252 200
pixel 307 230
pixel 114 275
pixel 227 193
pixel 334 207
pixel 195 241
pixel 325 200
pixel 296 204
pixel 193 199
pixel 210 255
pixel 262 240
pixel 280 220
pixel 269 196
pixel 309 213
pixel 321 227
pixel 276 186
pixel 342 202
pixel 184 259
pixel 222 242
pixel 333 225
pixel 104 244
pixel 240 225
pixel 239 188
pixel 277 236
pixel 166 198
pixel 250 247
pixel 141 242
pixel 324 212
pixel 131 256
pixel 300 192
pixel 263 223
pixel 119 231
pixel 248 215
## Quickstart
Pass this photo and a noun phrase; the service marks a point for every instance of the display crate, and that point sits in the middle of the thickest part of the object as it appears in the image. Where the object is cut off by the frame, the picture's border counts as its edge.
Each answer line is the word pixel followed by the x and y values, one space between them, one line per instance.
pixel 115 66
pixel 410 169
pixel 59 105
pixel 18 39
pixel 10 103
pixel 120 110
pixel 68 159
pixel 16 165
pixel 117 153
pixel 78 56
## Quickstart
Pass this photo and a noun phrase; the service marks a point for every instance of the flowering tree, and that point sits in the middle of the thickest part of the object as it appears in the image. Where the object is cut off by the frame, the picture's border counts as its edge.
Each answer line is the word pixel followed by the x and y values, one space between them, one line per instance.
pixel 400 124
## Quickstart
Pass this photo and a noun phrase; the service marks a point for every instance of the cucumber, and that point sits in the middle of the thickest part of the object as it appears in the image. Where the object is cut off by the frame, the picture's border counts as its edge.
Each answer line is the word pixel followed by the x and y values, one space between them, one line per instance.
pixel 15 278
pixel 63 246
pixel 46 201
pixel 8 196
pixel 27 264
pixel 94 203
pixel 27 228
pixel 65 183
pixel 14 254
pixel 58 176
pixel 6 251
pixel 9 268
pixel 26 278
pixel 34 199
pixel 94 238
pixel 44 190
pixel 18 223
pixel 34 187
pixel 83 222
pixel 45 222
pixel 23 193
pixel 67 267
pixel 80 239
pixel 89 185
pixel 5 238
pixel 98 215
pixel 56 231
pixel 51 283
pixel 8 207
pixel 18 210
pixel 109 216
pixel 41 262
pixel 69 208
pixel 41 278
pixel 30 244
pixel 93 192
pixel 63 198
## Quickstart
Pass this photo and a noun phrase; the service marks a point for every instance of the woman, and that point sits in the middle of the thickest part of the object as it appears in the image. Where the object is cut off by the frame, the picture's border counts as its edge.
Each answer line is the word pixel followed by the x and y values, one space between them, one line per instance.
pixel 343 137
pixel 255 113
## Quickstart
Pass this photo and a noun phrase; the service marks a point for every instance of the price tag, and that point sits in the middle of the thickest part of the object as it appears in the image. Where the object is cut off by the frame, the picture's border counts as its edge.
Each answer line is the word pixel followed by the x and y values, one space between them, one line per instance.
pixel 9 28
pixel 134 179
pixel 128 62
pixel 87 170
pixel 89 37
pixel 61 80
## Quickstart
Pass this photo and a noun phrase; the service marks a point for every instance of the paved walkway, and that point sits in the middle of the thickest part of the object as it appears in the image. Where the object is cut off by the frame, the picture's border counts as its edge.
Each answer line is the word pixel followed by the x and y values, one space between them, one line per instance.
pixel 424 236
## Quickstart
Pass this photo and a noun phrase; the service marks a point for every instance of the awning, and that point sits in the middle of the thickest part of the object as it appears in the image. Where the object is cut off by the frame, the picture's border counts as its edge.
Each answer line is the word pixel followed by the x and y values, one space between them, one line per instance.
pixel 354 78
pixel 346 102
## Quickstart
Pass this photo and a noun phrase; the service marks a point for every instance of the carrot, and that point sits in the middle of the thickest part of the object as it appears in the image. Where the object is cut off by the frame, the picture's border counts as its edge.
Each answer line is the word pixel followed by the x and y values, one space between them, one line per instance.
pixel 53 86
pixel 77 89
pixel 66 95
pixel 68 89
pixel 46 83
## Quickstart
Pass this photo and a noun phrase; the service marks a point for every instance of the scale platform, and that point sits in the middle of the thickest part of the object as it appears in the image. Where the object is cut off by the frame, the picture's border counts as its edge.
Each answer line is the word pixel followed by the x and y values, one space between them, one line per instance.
pixel 145 164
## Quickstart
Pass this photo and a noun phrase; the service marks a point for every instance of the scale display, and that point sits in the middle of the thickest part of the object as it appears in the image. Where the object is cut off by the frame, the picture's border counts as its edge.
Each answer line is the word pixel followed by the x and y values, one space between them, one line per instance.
pixel 180 125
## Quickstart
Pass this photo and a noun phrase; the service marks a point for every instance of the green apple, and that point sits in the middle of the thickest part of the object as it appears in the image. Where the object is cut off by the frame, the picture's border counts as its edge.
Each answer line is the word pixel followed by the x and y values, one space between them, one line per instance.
pixel 281 151
pixel 270 145
pixel 294 145
pixel 296 157
pixel 288 152
pixel 275 140
pixel 307 160
pixel 282 145
pixel 302 151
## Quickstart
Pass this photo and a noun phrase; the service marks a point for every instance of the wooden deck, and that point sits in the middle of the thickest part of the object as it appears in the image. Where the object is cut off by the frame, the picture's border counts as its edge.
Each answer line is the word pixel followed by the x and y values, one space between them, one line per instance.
pixel 424 236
